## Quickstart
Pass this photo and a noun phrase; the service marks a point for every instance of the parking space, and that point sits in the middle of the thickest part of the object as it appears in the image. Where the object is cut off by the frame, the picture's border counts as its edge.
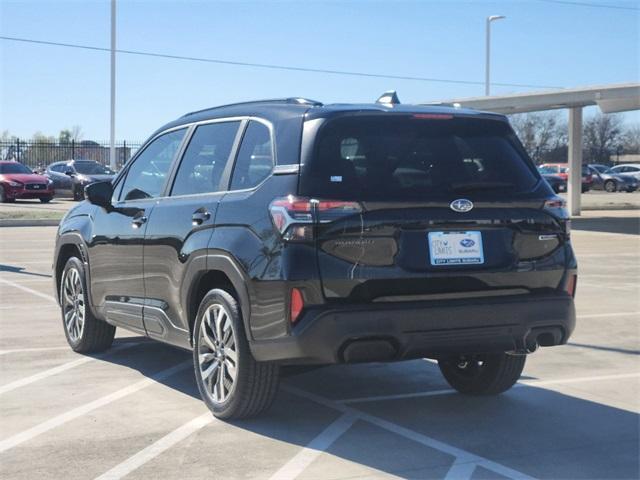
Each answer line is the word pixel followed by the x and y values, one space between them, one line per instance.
pixel 135 411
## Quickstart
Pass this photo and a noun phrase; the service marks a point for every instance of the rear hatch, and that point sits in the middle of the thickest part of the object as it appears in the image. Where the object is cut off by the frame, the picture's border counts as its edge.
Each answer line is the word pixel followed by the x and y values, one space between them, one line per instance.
pixel 429 206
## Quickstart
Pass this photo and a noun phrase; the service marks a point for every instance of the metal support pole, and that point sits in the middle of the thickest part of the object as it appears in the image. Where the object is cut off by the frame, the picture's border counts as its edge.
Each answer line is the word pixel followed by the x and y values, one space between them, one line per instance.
pixel 575 160
pixel 112 140
pixel 487 60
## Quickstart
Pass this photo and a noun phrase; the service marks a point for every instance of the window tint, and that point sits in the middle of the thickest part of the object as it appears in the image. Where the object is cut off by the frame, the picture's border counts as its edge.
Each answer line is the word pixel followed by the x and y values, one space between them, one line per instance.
pixel 206 156
pixel 404 158
pixel 255 158
pixel 147 174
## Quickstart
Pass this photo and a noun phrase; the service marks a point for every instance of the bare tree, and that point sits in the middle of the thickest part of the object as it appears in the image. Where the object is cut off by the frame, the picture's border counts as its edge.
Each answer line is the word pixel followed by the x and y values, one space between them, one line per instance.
pixel 602 136
pixel 540 133
pixel 631 140
pixel 76 133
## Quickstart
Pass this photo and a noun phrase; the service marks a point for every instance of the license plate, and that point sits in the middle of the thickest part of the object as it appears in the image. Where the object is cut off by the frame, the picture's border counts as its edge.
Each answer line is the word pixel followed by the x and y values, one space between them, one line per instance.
pixel 456 248
pixel 561 188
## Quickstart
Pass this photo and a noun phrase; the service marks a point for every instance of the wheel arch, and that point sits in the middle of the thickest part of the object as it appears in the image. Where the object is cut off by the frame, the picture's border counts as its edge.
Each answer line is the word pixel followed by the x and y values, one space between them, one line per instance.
pixel 220 271
pixel 67 246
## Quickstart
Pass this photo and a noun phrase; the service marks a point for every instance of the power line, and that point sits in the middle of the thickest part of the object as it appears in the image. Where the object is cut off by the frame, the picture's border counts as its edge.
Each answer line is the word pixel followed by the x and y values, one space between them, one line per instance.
pixel 269 66
pixel 594 5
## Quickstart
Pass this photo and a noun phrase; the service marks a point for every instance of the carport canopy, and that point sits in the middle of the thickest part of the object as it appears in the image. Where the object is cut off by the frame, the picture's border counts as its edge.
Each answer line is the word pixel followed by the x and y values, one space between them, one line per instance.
pixel 609 98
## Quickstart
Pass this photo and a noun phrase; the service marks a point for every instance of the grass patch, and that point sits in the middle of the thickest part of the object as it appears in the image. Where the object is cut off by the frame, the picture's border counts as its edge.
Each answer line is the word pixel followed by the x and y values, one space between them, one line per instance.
pixel 31 214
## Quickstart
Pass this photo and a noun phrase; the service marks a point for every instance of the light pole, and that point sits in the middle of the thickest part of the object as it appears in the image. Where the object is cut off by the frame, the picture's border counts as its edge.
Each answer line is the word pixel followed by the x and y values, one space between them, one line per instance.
pixel 487 67
pixel 112 129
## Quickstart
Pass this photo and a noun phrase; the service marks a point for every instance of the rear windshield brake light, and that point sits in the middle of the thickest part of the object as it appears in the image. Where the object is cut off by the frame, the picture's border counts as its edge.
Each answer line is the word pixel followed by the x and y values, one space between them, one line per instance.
pixel 433 116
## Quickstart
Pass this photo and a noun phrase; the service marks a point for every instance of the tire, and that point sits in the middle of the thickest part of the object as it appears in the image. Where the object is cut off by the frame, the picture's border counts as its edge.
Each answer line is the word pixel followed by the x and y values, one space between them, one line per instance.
pixel 489 374
pixel 610 186
pixel 77 196
pixel 46 199
pixel 85 333
pixel 219 331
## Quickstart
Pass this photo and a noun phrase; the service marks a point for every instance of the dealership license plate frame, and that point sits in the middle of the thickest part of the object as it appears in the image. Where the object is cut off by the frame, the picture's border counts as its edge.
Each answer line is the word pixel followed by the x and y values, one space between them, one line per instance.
pixel 446 249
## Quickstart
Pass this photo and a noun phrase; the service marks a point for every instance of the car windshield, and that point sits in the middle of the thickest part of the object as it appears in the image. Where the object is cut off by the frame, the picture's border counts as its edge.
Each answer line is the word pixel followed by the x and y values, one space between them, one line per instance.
pixel 14 167
pixel 92 168
pixel 412 157
pixel 548 170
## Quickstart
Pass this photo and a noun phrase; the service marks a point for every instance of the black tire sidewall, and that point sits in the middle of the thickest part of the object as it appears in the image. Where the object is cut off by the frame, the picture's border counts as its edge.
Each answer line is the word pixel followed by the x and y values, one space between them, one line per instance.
pixel 74 262
pixel 501 371
pixel 230 406
pixel 97 335
pixel 610 182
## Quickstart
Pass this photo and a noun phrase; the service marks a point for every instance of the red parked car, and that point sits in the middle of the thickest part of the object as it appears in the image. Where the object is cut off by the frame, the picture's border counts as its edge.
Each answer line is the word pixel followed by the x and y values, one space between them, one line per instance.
pixel 562 171
pixel 18 182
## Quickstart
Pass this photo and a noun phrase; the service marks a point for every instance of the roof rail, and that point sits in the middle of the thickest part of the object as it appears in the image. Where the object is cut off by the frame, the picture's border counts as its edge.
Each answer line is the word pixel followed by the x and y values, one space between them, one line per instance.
pixel 290 100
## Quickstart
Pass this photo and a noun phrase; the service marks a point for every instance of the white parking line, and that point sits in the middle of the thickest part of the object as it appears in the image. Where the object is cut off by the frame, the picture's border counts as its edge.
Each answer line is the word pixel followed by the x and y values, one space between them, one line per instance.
pixel 60 368
pixel 461 456
pixel 523 383
pixel 29 290
pixel 157 448
pixel 460 471
pixel 54 422
pixel 35 349
pixel 610 314
pixel 315 448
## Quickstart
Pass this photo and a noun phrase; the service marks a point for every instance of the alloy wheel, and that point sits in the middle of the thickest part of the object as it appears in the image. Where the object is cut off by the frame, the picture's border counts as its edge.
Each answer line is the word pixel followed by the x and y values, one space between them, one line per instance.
pixel 73 304
pixel 217 353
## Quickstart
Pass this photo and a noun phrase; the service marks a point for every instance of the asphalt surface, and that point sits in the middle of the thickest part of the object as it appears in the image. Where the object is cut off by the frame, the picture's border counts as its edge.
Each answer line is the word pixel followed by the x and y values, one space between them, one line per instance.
pixel 135 410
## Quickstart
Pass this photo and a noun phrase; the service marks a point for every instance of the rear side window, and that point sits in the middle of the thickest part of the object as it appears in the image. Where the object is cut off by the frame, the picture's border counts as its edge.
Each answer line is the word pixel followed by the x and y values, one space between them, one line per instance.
pixel 412 158
pixel 255 158
pixel 205 159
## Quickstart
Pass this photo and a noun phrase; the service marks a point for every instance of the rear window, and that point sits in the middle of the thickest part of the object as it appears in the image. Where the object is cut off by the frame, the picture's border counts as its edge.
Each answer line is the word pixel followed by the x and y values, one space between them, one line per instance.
pixel 412 158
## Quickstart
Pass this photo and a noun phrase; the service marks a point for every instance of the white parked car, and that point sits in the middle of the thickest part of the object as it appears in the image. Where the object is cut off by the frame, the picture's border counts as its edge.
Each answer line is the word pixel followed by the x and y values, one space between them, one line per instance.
pixel 628 169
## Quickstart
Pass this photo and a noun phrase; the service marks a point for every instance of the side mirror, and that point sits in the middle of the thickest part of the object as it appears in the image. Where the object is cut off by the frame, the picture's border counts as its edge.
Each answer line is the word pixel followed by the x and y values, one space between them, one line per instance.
pixel 100 194
pixel 70 173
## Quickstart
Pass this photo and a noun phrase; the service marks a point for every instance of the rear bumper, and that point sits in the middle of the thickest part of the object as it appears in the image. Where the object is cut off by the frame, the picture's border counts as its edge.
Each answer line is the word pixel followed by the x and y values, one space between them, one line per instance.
pixel 384 332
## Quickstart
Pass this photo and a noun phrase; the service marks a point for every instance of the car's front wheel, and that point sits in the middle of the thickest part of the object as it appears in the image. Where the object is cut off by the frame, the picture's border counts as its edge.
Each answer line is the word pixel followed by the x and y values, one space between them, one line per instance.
pixel 85 333
pixel 488 374
pixel 610 186
pixel 231 382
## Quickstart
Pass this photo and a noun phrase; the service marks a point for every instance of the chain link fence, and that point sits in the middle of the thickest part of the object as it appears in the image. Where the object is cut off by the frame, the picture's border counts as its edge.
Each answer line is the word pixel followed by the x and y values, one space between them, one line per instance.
pixel 38 154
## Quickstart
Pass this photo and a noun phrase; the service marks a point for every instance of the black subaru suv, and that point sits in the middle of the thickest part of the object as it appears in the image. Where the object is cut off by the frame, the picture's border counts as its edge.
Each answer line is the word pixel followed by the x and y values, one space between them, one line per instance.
pixel 288 232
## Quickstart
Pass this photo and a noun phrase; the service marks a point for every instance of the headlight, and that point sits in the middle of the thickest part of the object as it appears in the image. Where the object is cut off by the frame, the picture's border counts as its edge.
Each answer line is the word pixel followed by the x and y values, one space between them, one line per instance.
pixel 14 184
pixel 49 182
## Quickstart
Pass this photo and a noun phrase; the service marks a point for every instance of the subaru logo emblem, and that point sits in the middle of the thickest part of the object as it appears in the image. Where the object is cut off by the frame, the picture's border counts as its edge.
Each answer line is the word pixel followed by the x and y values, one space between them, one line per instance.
pixel 467 242
pixel 461 205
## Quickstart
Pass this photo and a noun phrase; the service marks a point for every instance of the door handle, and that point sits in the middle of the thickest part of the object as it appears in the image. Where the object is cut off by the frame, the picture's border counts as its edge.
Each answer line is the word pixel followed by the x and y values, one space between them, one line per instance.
pixel 138 221
pixel 199 217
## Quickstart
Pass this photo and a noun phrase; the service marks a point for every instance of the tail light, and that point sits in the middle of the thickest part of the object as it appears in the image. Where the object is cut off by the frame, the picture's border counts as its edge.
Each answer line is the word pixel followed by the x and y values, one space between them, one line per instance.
pixel 295 305
pixel 557 207
pixel 571 285
pixel 294 217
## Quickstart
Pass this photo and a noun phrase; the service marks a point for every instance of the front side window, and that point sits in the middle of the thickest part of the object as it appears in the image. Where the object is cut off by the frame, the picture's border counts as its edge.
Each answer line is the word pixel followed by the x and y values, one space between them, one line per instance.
pixel 92 168
pixel 147 174
pixel 203 163
pixel 255 157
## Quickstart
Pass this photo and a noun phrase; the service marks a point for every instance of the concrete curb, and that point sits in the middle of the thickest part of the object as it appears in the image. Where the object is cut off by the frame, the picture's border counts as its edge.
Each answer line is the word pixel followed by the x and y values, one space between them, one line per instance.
pixel 20 222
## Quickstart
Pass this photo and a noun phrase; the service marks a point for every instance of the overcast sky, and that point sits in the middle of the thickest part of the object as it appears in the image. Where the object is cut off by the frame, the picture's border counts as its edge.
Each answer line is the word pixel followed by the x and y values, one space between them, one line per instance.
pixel 542 42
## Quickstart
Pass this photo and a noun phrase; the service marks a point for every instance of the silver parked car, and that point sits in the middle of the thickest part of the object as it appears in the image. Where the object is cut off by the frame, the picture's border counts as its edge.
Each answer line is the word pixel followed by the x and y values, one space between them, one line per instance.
pixel 608 180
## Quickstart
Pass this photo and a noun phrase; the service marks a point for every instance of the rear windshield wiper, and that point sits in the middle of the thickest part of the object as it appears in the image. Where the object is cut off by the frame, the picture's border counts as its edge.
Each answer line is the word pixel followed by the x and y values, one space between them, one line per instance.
pixel 471 186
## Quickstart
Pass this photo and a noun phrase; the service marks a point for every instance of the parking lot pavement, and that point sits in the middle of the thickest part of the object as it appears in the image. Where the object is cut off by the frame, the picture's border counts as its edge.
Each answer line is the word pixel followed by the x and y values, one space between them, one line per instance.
pixel 134 411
